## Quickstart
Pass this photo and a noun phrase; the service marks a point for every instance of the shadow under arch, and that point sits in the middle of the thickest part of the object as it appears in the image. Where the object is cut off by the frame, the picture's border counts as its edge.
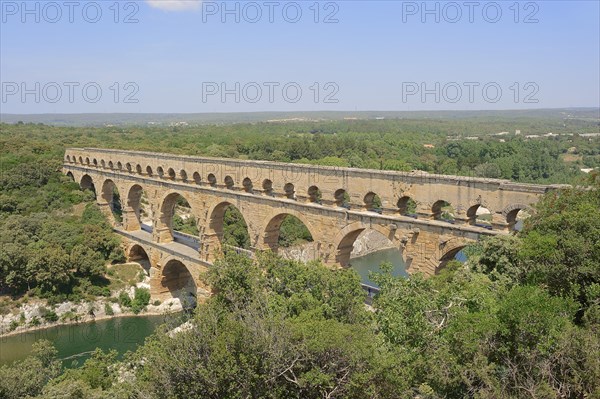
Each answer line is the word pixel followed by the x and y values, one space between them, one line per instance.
pixel 176 281
pixel 138 254
pixel 110 196
pixel 86 183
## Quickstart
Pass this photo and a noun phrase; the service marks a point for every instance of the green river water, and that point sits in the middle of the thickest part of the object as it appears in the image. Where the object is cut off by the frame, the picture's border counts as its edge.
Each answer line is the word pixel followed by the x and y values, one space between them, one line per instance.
pixel 76 342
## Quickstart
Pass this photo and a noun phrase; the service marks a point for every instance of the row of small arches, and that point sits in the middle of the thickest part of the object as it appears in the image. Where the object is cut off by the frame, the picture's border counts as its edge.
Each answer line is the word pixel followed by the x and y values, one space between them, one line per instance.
pixel 440 210
pixel 341 197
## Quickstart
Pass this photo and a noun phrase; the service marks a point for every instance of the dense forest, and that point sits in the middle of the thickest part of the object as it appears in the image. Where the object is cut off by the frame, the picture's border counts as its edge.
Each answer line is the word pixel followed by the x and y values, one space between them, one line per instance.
pixel 521 318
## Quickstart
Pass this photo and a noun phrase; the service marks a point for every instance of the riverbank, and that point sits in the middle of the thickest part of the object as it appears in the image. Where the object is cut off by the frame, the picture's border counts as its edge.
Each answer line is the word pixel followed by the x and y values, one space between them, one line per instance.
pixel 37 314
pixel 170 307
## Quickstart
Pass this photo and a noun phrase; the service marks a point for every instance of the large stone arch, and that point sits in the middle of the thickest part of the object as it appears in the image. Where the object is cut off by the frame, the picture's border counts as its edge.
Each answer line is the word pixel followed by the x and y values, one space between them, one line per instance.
pixel 132 208
pixel 107 200
pixel 212 239
pixel 510 213
pixel 163 229
pixel 270 232
pixel 140 254
pixel 176 280
pixel 87 183
pixel 343 243
pixel 449 251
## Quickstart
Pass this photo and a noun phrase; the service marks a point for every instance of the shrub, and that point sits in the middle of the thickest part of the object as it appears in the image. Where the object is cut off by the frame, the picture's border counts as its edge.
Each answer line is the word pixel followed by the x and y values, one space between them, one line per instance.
pixel 48 315
pixel 124 299
pixel 35 321
pixel 13 325
pixel 140 300
pixel 108 309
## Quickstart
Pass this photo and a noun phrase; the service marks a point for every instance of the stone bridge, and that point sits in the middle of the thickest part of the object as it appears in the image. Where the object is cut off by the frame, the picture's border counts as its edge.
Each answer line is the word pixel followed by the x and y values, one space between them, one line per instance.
pixel 335 204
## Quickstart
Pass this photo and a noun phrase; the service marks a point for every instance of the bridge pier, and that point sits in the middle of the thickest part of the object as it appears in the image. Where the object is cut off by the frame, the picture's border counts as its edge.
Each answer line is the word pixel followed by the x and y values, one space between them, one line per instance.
pixel 162 235
pixel 131 220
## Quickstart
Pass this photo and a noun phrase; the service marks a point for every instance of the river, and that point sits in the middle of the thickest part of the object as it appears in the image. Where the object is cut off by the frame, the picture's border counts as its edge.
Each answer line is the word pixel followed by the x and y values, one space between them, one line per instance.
pixel 76 342
pixel 370 263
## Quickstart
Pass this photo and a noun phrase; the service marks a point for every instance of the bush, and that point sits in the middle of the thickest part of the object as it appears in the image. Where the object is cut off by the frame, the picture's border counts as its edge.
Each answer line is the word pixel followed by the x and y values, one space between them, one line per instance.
pixel 124 299
pixel 13 325
pixel 108 309
pixel 35 321
pixel 140 300
pixel 98 291
pixel 48 315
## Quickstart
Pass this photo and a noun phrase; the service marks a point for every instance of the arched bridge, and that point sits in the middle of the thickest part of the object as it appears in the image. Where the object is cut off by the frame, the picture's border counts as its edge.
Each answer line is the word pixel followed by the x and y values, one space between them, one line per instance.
pixel 335 204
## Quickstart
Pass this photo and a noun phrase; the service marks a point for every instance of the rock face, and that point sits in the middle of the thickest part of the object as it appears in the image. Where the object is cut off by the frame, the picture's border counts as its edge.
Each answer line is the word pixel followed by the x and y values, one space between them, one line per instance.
pixel 31 315
pixel 368 241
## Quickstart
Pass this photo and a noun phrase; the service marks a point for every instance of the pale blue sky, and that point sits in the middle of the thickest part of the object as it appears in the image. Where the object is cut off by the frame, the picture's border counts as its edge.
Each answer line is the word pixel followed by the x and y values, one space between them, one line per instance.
pixel 375 56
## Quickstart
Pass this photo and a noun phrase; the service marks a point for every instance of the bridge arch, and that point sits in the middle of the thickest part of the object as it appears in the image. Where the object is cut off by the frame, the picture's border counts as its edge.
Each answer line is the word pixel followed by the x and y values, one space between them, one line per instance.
pixel 216 236
pixel 290 191
pixel 342 198
pixel 171 173
pixel 373 202
pixel 314 194
pixel 479 214
pixel 442 210
pixel 247 185
pixel 164 222
pixel 272 230
pixel 344 240
pixel 197 178
pixel 110 196
pixel 267 186
pixel 86 183
pixel 449 252
pixel 138 169
pixel 70 176
pixel 160 171
pixel 229 182
pixel 511 213
pixel 183 175
pixel 149 170
pixel 176 281
pixel 407 206
pixel 103 164
pixel 137 253
pixel 111 165
pixel 95 162
pixel 212 180
pixel 134 210
pixel 87 160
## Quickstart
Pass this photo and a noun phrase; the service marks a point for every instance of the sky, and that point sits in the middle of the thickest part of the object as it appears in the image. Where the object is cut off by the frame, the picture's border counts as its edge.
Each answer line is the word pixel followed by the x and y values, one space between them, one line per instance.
pixel 172 56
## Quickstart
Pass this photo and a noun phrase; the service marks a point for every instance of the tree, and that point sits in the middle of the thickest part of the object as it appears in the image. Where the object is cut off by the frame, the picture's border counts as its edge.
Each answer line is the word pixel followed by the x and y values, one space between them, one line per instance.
pixel 27 378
